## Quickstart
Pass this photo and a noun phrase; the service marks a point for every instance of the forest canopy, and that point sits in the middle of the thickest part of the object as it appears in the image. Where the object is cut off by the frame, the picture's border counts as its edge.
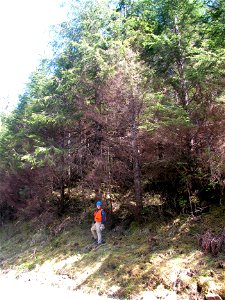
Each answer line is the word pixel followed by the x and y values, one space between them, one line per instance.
pixel 130 109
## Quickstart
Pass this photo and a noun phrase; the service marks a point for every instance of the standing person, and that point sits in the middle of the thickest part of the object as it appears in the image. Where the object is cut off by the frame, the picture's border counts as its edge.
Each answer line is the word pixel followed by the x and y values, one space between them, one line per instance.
pixel 99 222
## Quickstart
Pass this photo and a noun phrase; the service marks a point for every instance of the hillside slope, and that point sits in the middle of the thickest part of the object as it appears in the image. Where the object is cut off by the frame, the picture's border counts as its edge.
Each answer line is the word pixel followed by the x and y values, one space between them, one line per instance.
pixel 156 261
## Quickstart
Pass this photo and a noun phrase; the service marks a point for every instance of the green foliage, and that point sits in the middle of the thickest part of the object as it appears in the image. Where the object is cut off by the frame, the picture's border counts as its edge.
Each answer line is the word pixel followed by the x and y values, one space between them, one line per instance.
pixel 41 156
pixel 160 112
pixel 214 23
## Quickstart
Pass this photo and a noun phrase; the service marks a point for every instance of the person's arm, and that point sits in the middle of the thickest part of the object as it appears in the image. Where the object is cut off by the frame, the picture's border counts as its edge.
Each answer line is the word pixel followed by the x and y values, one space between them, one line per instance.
pixel 103 217
pixel 94 217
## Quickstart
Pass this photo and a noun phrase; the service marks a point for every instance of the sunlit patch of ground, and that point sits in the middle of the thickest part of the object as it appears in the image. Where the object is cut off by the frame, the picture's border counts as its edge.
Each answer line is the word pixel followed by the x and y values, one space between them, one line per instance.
pixel 156 261
pixel 32 290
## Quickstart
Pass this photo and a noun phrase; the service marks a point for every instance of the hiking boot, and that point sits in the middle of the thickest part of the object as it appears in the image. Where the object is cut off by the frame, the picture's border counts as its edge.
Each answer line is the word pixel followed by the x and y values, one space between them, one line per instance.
pixel 95 240
pixel 102 242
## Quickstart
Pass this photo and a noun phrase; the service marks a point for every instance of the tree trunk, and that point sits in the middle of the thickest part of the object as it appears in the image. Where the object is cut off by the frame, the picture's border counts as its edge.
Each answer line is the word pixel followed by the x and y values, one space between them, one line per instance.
pixel 61 205
pixel 136 164
pixel 184 97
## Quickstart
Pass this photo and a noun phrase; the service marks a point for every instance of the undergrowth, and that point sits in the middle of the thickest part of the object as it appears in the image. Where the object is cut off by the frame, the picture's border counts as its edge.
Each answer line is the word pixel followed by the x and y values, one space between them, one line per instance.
pixel 158 257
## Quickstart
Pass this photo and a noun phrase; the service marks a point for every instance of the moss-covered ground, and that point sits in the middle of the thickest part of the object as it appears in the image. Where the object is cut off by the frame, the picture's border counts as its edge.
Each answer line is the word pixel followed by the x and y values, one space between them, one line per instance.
pixel 159 260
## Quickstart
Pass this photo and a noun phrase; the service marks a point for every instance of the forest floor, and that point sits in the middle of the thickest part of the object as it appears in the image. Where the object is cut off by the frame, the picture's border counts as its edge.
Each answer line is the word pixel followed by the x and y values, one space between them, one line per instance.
pixel 156 261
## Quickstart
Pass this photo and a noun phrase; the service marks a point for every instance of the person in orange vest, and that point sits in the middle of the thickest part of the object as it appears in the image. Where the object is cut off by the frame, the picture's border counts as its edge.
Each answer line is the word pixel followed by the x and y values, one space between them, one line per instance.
pixel 99 222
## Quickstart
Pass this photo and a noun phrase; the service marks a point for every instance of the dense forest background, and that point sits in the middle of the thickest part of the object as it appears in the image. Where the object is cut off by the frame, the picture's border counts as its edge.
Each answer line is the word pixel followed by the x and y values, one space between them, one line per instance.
pixel 130 109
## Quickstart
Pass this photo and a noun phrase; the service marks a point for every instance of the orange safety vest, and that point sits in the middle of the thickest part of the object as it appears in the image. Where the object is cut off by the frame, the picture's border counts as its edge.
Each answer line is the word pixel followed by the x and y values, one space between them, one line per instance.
pixel 98 215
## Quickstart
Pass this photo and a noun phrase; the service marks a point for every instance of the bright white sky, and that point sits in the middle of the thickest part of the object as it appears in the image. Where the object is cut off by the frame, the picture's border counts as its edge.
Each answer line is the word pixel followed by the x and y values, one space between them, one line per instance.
pixel 24 37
